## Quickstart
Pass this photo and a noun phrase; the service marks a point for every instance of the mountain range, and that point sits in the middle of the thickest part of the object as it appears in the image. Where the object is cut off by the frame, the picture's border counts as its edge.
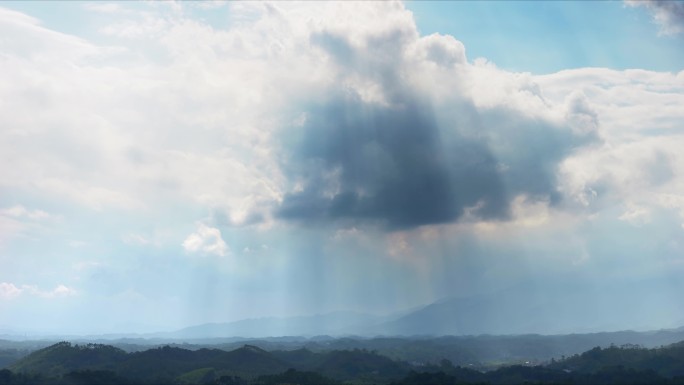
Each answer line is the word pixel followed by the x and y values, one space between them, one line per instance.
pixel 497 313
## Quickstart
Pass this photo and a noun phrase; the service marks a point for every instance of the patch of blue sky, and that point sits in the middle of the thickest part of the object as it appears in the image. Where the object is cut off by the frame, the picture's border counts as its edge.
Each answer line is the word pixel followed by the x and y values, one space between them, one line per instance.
pixel 69 17
pixel 548 36
pixel 85 19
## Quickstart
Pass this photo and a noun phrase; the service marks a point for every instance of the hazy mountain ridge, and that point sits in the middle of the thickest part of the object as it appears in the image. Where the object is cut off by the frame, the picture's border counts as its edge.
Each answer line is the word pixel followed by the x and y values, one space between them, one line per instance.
pixel 336 323
pixel 517 310
pixel 523 309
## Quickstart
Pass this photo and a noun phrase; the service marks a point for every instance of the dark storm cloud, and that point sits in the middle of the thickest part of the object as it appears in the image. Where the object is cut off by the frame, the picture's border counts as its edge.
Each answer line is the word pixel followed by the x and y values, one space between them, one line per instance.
pixel 388 165
pixel 529 150
pixel 675 10
pixel 668 13
pixel 395 165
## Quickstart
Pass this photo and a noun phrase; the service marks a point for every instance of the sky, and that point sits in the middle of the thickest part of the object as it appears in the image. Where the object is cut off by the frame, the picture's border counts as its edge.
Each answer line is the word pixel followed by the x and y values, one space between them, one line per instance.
pixel 166 164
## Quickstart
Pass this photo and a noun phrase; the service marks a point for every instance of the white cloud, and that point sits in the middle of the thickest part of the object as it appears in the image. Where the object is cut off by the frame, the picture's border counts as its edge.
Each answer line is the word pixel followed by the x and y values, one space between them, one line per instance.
pixel 20 211
pixel 443 50
pixel 581 116
pixel 11 291
pixel 206 240
pixel 641 123
pixel 636 215
pixel 123 135
pixel 61 291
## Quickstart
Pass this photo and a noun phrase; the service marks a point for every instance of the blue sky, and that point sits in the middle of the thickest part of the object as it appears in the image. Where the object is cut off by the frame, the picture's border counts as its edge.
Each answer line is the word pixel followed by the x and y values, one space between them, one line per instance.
pixel 166 164
pixel 549 36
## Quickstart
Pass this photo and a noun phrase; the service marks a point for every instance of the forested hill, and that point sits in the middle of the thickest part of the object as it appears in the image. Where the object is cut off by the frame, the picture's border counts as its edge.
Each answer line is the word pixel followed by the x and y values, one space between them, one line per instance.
pixel 93 364
pixel 150 366
pixel 666 361
pixel 172 365
pixel 483 352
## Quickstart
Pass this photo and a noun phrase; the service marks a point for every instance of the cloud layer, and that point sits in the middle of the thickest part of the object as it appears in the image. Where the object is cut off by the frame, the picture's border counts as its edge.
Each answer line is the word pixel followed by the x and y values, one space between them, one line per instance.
pixel 328 156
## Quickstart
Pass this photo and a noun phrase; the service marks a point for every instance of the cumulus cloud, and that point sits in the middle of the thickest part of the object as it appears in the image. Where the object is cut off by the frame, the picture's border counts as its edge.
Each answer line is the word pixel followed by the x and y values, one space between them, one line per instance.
pixel 668 14
pixel 637 160
pixel 406 156
pixel 206 240
pixel 443 50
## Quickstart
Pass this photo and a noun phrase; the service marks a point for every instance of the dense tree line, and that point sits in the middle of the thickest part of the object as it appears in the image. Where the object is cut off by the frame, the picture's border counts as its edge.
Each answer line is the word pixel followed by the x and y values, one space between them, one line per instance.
pixel 92 364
